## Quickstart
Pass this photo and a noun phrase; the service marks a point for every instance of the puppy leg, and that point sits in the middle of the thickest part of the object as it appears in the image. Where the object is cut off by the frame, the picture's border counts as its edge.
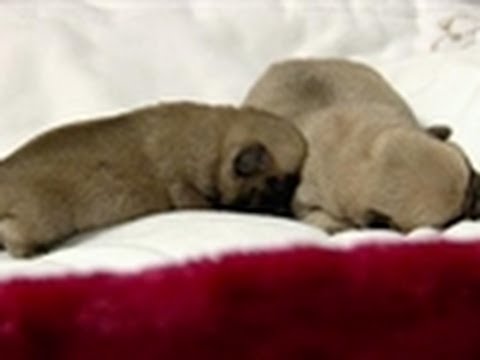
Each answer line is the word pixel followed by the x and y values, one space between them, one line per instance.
pixel 33 224
pixel 324 221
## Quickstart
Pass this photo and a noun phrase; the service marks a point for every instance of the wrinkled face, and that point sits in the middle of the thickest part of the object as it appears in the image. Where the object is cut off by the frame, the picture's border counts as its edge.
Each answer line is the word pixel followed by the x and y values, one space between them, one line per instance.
pixel 420 181
pixel 261 165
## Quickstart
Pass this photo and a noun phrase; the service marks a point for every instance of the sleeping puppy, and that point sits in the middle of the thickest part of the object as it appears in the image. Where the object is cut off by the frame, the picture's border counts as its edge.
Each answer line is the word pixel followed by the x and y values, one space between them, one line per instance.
pixel 165 157
pixel 370 163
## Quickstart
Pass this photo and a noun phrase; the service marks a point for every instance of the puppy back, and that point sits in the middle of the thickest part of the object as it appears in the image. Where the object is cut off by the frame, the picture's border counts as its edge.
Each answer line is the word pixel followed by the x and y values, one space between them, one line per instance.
pixel 293 87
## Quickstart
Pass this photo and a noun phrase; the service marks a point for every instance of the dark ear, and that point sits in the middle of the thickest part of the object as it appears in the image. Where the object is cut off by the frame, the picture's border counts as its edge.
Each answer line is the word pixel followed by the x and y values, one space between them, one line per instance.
pixel 473 197
pixel 441 132
pixel 251 160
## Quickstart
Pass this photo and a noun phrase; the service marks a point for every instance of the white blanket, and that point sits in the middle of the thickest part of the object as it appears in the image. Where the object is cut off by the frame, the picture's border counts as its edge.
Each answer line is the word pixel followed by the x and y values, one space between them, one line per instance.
pixel 66 60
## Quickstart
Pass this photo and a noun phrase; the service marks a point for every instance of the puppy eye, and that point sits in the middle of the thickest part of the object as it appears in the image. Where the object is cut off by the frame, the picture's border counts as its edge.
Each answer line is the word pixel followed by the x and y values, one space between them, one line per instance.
pixel 377 220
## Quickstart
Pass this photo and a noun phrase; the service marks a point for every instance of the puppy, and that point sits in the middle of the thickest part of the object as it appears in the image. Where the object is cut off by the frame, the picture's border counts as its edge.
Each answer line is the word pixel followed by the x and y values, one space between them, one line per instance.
pixel 160 158
pixel 370 163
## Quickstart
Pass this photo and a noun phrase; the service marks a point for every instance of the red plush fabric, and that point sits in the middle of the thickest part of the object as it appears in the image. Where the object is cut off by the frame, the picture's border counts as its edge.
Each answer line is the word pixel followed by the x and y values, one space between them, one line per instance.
pixel 378 302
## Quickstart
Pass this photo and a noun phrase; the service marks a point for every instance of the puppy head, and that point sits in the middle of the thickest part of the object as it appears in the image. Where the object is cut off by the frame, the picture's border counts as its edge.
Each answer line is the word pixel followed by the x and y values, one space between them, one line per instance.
pixel 419 179
pixel 261 161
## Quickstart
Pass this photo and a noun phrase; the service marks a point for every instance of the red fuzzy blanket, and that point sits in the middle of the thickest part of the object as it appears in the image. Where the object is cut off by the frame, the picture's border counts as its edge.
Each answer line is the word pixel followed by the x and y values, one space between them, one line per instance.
pixel 389 302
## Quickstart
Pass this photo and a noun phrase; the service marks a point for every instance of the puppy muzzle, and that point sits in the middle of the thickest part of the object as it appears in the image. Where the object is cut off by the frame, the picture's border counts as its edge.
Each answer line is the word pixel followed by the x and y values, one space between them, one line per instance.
pixel 274 197
pixel 278 194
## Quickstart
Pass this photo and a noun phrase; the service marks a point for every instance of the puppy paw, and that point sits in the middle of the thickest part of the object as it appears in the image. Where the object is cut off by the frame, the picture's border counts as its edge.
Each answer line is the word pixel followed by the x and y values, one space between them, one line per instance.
pixel 20 250
pixel 14 240
pixel 324 221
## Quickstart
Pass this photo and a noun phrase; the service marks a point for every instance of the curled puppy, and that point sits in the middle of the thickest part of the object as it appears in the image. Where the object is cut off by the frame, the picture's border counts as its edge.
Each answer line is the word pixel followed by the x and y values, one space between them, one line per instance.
pixel 370 163
pixel 164 157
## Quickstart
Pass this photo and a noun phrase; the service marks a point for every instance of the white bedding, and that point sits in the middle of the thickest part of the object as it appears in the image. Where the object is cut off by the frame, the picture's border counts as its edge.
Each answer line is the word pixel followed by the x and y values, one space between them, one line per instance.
pixel 67 60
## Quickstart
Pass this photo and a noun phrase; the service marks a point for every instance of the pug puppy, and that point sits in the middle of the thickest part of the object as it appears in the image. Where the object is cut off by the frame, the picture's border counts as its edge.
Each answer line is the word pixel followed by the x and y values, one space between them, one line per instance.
pixel 160 158
pixel 370 162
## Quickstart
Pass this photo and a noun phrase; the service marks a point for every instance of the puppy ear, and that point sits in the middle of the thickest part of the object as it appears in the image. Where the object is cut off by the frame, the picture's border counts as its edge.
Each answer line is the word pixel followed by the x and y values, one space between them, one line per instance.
pixel 441 132
pixel 474 193
pixel 251 160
